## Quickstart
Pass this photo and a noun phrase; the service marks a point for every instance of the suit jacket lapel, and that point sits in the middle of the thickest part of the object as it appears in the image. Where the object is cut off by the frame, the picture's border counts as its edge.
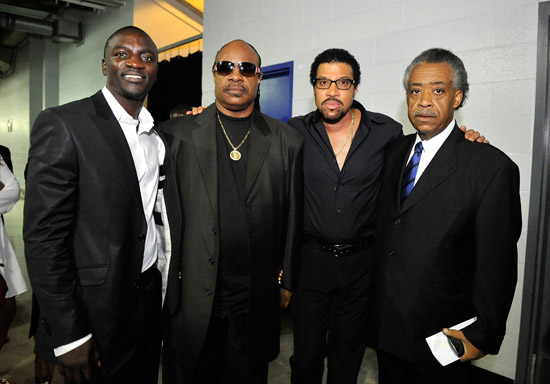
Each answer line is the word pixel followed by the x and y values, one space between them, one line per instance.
pixel 109 127
pixel 440 168
pixel 204 139
pixel 258 147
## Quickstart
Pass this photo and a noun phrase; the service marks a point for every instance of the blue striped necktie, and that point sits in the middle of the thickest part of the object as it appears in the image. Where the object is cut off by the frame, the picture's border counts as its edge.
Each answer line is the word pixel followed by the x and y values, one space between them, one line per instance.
pixel 410 171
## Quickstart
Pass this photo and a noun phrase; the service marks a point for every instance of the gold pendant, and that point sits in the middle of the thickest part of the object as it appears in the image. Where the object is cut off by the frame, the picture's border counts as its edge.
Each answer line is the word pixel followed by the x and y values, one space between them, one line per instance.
pixel 235 155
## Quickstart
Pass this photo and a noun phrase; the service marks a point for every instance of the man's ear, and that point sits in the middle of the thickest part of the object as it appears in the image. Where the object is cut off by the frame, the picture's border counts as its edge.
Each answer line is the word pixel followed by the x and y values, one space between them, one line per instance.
pixel 104 67
pixel 459 95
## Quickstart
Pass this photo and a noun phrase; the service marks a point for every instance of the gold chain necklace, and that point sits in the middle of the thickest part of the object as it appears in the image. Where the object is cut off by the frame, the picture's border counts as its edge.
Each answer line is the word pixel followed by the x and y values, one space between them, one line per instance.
pixel 235 155
pixel 347 138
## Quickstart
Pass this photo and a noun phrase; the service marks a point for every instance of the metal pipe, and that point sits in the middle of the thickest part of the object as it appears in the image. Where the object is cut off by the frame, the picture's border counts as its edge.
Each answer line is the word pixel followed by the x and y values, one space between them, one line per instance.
pixel 26 24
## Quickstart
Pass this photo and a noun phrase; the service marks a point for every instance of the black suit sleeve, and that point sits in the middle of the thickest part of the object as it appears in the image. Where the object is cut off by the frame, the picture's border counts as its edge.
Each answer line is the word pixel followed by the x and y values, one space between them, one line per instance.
pixel 295 214
pixel 49 216
pixel 497 230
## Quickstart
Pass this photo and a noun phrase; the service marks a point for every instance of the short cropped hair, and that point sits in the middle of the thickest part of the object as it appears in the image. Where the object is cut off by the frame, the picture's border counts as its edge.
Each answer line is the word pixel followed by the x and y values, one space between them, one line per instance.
pixel 335 55
pixel 117 32
pixel 247 43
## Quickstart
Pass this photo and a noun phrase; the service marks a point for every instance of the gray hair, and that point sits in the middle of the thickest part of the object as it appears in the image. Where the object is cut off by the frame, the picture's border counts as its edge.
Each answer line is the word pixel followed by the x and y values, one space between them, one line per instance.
pixel 440 55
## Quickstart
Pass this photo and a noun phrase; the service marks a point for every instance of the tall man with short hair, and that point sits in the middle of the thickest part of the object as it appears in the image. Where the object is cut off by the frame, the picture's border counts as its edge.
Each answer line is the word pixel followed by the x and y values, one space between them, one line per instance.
pixel 449 220
pixel 98 234
pixel 344 148
pixel 241 179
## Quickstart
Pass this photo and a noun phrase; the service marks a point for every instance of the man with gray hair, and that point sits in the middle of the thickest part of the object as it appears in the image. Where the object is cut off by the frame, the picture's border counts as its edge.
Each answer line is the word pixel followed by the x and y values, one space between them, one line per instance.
pixel 449 220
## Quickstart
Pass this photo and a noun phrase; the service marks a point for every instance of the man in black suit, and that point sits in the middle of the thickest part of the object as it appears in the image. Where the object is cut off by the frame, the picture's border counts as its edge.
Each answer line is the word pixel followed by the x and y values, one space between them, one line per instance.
pixel 96 227
pixel 449 219
pixel 241 180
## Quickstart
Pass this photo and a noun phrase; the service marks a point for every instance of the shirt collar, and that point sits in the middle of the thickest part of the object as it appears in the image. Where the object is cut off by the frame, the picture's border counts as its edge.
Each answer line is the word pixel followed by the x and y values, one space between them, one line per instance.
pixel 433 144
pixel 145 119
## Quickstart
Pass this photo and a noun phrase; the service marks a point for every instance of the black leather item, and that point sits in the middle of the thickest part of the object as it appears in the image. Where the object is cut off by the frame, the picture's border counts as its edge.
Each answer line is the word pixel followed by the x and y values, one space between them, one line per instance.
pixel 338 250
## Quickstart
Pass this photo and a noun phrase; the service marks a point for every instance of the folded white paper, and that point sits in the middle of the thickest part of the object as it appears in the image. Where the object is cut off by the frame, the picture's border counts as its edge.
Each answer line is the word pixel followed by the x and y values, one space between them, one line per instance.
pixel 439 344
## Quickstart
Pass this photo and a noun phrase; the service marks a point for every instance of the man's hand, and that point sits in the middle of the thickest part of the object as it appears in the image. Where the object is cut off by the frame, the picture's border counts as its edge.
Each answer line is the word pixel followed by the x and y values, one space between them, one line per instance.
pixel 195 111
pixel 470 351
pixel 285 296
pixel 79 364
pixel 472 135
pixel 1 185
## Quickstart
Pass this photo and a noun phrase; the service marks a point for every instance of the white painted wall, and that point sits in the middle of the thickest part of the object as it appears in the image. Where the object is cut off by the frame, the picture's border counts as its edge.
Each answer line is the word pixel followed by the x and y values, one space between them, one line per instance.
pixel 495 38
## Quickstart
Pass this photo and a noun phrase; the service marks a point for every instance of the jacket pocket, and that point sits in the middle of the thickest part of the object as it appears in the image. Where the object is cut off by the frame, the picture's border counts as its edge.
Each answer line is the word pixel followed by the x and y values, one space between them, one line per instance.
pixel 91 276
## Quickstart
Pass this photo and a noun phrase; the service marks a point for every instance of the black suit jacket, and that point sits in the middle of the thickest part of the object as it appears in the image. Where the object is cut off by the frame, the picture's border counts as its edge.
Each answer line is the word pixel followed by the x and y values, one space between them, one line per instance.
pixel 84 227
pixel 273 189
pixel 448 253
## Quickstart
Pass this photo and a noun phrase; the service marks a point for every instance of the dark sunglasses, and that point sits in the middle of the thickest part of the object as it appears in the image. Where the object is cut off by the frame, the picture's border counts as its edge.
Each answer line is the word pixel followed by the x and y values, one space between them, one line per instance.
pixel 225 68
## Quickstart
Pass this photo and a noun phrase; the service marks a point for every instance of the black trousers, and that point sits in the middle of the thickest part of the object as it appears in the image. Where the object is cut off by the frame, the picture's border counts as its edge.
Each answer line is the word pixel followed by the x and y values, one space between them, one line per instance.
pixel 394 370
pixel 223 360
pixel 330 313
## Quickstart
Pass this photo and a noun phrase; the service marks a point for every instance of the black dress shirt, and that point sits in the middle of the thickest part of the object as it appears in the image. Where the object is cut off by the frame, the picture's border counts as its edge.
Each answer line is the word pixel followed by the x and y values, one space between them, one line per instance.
pixel 340 206
pixel 233 281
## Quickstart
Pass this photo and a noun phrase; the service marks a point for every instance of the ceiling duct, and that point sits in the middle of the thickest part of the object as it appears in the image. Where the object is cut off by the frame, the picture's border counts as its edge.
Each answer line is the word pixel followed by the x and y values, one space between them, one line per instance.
pixel 58 30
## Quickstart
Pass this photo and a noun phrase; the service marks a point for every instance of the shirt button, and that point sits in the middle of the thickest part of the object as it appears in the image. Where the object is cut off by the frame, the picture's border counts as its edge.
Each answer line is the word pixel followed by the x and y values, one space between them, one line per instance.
pixel 397 221
pixel 141 237
pixel 211 261
pixel 391 253
pixel 214 231
pixel 339 210
pixel 208 292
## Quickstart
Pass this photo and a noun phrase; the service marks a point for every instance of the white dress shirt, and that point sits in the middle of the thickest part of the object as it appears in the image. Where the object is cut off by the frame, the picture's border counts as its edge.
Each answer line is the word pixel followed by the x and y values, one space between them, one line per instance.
pixel 10 270
pixel 429 149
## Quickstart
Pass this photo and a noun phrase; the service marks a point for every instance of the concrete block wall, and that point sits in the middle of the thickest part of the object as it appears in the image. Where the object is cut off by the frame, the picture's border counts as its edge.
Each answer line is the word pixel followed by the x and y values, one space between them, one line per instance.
pixel 495 38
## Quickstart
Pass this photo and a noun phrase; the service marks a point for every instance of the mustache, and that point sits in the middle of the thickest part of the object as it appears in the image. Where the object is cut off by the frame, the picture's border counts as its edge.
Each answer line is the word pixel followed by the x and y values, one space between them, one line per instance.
pixel 233 88
pixel 332 99
pixel 425 112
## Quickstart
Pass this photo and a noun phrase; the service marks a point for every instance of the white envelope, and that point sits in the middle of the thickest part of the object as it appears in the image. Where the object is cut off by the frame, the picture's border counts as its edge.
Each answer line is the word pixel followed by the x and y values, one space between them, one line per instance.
pixel 439 344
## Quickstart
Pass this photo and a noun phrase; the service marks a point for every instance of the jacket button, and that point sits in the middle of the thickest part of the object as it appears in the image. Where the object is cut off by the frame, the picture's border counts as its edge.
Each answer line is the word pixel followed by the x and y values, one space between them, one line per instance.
pixel 208 292
pixel 391 253
pixel 214 231
pixel 397 221
pixel 141 237
pixel 211 261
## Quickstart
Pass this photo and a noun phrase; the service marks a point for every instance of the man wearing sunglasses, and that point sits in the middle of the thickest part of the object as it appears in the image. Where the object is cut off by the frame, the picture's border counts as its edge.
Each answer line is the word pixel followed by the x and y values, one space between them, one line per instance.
pixel 241 180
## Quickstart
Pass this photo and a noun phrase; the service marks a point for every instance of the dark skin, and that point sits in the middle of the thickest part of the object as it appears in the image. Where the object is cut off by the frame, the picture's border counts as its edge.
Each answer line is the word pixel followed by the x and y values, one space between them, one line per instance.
pixel 130 65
